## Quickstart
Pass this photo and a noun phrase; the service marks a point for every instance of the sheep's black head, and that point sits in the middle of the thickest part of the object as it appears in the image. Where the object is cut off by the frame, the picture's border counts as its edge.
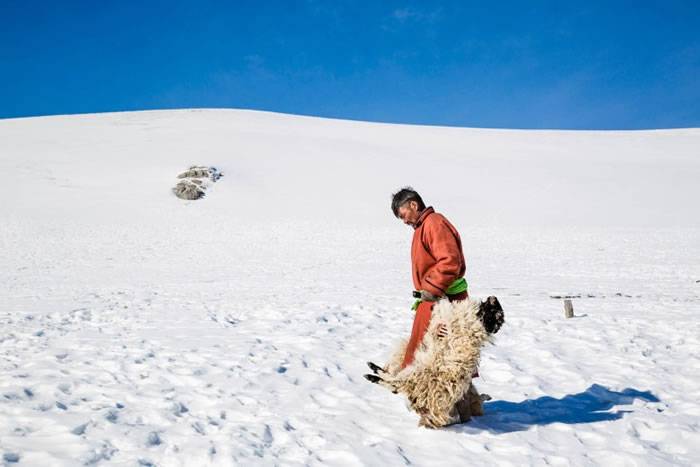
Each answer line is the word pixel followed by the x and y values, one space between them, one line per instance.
pixel 491 314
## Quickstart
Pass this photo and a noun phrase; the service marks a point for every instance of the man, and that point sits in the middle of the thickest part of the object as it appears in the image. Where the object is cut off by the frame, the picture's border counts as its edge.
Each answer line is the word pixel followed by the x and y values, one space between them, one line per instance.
pixel 438 269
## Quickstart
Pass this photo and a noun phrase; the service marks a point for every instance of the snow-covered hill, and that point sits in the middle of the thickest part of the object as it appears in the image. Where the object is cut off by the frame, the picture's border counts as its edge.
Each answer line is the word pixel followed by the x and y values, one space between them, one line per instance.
pixel 139 328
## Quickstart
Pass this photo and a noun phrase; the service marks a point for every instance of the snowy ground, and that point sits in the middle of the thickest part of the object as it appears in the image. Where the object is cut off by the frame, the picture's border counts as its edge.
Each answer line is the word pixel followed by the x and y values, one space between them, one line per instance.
pixel 137 328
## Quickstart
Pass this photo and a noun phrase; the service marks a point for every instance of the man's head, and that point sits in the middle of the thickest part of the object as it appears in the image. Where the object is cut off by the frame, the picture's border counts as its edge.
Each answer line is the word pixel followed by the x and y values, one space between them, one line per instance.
pixel 407 205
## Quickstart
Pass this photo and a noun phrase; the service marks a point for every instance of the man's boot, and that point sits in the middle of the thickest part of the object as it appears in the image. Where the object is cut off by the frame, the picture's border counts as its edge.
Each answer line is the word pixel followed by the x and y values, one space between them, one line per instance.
pixel 463 408
pixel 475 406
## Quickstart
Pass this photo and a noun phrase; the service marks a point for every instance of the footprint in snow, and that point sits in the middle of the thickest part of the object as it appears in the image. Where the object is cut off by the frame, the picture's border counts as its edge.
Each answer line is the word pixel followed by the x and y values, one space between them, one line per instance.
pixel 179 408
pixel 153 439
pixel 11 457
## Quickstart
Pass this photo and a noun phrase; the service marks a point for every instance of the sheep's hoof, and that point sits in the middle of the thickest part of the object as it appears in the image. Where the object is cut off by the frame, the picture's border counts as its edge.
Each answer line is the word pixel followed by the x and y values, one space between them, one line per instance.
pixel 375 368
pixel 373 379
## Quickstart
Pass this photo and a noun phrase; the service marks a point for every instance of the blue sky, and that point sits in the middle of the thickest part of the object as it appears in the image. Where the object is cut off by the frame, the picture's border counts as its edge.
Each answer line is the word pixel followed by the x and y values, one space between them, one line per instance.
pixel 525 64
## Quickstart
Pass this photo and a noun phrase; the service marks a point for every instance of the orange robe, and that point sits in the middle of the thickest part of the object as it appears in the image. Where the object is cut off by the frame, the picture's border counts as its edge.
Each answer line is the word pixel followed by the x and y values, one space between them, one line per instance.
pixel 437 261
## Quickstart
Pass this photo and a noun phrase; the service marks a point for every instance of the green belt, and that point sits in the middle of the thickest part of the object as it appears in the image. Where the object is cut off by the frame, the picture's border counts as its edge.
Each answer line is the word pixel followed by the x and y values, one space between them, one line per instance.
pixel 458 286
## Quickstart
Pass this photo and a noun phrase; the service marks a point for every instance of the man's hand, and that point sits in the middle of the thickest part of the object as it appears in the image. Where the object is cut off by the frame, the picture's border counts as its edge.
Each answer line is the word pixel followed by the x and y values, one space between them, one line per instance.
pixel 428 297
pixel 441 330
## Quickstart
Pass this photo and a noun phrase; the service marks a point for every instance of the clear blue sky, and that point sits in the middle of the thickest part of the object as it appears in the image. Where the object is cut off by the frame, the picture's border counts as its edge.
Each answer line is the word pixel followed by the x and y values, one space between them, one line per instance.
pixel 524 64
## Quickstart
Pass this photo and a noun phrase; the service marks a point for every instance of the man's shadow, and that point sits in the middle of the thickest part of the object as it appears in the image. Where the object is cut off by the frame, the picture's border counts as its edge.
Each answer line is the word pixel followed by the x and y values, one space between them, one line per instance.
pixel 592 405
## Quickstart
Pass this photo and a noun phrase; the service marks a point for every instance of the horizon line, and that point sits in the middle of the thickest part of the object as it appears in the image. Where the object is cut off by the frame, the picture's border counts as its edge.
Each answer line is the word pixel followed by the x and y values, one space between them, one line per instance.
pixel 345 119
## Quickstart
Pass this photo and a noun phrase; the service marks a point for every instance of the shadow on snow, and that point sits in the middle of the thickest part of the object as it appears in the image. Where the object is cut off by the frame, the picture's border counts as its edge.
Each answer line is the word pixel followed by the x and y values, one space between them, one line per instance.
pixel 592 405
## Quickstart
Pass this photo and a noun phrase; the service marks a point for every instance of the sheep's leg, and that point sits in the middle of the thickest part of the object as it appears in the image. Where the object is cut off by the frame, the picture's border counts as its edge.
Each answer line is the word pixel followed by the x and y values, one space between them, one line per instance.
pixel 382 382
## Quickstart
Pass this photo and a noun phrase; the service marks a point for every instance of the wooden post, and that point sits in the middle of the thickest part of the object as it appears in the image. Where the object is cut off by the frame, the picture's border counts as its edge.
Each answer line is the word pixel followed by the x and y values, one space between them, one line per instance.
pixel 568 309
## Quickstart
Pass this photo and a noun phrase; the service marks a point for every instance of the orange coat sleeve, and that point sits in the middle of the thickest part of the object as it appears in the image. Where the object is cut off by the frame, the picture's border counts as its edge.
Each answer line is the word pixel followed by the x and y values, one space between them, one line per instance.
pixel 445 248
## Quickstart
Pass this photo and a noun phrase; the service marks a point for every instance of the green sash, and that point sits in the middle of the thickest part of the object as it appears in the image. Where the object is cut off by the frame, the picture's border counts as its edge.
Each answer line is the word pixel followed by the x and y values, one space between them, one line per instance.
pixel 458 286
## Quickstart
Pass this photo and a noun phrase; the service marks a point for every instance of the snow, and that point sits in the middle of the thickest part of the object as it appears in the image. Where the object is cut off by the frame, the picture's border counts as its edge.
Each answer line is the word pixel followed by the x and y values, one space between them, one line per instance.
pixel 138 328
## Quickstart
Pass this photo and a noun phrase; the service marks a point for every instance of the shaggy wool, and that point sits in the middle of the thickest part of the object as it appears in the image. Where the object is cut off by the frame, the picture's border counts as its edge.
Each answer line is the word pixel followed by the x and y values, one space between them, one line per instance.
pixel 442 368
pixel 195 181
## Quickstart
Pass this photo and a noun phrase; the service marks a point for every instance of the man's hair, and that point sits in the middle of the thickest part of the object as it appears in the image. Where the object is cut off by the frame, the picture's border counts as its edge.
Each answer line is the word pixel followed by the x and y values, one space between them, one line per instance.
pixel 404 195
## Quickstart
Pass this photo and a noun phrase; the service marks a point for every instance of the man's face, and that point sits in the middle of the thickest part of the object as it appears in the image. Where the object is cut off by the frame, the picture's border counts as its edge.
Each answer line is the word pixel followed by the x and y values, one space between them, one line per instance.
pixel 409 213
